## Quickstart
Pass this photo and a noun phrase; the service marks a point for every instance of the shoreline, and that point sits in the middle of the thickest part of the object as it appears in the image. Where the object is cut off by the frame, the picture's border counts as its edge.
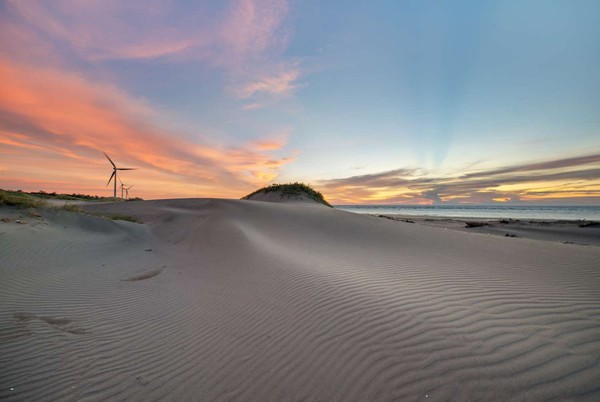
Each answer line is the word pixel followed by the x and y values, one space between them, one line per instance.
pixel 581 232
pixel 524 213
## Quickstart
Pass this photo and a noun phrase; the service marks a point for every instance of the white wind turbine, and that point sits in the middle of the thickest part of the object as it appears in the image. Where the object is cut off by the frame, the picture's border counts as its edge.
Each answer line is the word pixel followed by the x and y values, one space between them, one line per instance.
pixel 127 191
pixel 114 175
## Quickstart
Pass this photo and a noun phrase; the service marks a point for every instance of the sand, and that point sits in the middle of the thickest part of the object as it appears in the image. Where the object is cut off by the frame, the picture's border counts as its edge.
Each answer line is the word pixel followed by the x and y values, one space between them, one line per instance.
pixel 246 300
pixel 564 231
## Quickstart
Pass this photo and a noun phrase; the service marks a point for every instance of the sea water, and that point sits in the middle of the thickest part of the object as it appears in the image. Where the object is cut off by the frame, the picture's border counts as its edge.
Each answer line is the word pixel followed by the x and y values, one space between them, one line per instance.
pixel 590 213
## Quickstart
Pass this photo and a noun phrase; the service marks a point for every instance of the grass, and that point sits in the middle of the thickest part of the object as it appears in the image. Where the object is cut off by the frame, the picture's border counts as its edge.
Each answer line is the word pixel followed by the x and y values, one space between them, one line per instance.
pixel 24 200
pixel 292 189
pixel 20 199
pixel 70 197
pixel 67 197
pixel 71 207
pixel 114 217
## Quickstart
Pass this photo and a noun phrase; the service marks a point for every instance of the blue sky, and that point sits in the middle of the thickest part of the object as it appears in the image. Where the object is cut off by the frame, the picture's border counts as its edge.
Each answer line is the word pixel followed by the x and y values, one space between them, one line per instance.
pixel 218 98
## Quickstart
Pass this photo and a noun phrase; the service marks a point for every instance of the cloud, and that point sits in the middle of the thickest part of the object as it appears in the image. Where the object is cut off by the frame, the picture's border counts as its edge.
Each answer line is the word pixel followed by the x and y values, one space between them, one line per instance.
pixel 281 84
pixel 273 143
pixel 552 179
pixel 546 165
pixel 387 179
pixel 252 27
pixel 228 34
pixel 51 113
pixel 243 38
pixel 432 195
pixel 60 107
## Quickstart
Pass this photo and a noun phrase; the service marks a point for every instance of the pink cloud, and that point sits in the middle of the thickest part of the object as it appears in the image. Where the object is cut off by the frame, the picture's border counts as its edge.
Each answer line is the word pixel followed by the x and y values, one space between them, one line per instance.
pixel 243 38
pixel 59 118
pixel 108 29
pixel 62 119
pixel 281 84
pixel 252 27
pixel 274 143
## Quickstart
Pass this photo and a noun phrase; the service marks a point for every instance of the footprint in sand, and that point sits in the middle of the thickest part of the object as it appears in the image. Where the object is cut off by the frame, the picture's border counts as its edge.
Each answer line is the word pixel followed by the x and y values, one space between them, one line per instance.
pixel 144 275
pixel 61 324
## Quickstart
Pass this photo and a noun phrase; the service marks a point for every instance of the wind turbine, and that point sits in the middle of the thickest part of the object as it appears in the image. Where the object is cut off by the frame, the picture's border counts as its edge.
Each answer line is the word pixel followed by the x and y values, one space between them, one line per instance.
pixel 114 175
pixel 127 191
pixel 122 187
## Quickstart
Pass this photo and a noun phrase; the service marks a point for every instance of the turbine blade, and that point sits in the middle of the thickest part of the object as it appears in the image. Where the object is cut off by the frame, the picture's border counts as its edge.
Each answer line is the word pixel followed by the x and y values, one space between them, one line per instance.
pixel 128 188
pixel 110 160
pixel 111 177
pixel 120 181
pixel 126 168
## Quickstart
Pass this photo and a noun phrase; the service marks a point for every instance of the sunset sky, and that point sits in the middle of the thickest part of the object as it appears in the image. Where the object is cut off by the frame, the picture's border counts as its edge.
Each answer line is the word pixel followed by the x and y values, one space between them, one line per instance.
pixel 369 102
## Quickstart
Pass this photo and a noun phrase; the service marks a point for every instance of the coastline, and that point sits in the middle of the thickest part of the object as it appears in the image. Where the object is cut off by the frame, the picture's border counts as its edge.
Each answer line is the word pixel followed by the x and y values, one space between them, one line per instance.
pixel 463 211
pixel 581 232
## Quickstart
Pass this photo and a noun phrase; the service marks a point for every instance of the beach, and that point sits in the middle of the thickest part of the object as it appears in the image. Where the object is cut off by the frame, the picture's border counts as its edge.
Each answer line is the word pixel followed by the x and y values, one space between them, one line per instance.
pixel 217 299
pixel 563 231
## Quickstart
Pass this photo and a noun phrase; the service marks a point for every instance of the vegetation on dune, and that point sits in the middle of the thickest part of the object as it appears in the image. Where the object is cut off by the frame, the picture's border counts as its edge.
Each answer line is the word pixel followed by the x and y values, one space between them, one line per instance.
pixel 120 217
pixel 72 197
pixel 292 189
pixel 72 208
pixel 25 200
pixel 19 196
pixel 20 199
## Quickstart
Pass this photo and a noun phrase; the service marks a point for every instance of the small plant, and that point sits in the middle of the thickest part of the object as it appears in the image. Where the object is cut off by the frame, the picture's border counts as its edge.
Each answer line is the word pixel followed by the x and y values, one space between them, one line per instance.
pixel 115 217
pixel 120 217
pixel 71 207
pixel 292 189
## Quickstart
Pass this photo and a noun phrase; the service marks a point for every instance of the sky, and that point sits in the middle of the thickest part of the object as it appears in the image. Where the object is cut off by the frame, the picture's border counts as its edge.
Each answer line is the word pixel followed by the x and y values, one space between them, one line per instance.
pixel 379 102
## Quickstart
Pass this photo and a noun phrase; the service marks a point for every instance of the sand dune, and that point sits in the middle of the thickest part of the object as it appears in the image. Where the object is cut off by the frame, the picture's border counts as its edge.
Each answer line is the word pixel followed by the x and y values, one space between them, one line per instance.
pixel 247 300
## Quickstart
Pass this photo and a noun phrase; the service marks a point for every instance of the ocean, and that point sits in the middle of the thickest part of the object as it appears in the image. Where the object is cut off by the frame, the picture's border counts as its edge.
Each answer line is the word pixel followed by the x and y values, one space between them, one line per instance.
pixel 590 213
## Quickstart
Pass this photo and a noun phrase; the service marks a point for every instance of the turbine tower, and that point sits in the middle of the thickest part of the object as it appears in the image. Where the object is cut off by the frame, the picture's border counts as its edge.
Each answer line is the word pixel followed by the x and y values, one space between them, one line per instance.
pixel 114 174
pixel 122 187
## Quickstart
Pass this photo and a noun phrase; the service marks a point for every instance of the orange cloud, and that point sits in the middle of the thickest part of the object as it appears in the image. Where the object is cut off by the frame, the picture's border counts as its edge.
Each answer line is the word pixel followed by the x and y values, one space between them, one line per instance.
pixel 574 178
pixel 51 113
pixel 243 38
pixel 272 144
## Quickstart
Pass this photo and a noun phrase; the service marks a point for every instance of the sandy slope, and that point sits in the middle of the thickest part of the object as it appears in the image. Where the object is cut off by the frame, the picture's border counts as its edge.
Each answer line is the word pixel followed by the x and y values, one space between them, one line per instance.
pixel 246 300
